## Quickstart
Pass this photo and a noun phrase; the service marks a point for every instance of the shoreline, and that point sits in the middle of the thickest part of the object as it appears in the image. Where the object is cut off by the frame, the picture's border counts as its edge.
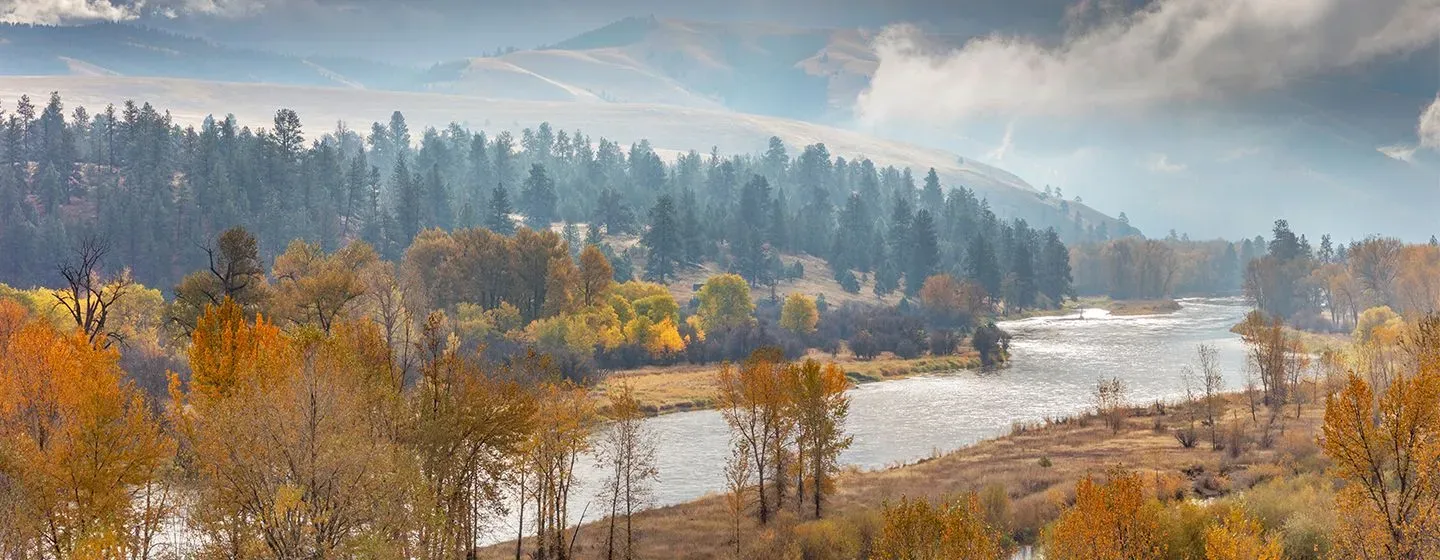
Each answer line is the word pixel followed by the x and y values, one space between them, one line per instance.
pixel 1033 464
pixel 683 388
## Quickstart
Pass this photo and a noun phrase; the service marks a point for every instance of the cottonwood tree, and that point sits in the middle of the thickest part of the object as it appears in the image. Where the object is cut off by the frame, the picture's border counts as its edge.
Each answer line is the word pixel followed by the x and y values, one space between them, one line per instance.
pixel 561 436
pixel 1113 520
pixel 820 406
pixel 84 462
pixel 752 399
pixel 1387 450
pixel 627 453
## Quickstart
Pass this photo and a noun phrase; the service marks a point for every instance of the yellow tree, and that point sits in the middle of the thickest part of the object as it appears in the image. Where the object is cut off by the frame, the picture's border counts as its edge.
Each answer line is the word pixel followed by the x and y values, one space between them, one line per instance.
pixel 83 456
pixel 561 436
pixel 319 289
pixel 1110 521
pixel 466 431
pixel 290 461
pixel 1388 453
pixel 820 407
pixel 725 303
pixel 799 315
pixel 1238 537
pixel 627 453
pixel 596 277
pixel 228 352
pixel 953 528
pixel 753 400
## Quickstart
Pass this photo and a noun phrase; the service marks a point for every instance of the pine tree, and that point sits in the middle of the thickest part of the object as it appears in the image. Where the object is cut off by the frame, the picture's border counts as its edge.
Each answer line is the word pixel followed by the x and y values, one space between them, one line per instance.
pixel 498 218
pixel 691 232
pixel 407 200
pixel 665 249
pixel 981 265
pixel 538 198
pixel 932 197
pixel 1054 275
pixel 898 238
pixel 924 252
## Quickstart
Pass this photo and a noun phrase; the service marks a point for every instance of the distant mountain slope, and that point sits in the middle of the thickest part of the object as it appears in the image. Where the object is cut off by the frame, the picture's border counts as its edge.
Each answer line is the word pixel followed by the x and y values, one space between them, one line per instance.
pixel 749 67
pixel 125 50
pixel 667 127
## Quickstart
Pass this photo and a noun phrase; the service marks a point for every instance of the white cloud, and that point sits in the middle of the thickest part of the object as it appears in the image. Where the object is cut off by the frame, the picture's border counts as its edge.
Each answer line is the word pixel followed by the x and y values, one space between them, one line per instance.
pixel 55 12
pixel 1399 152
pixel 1161 163
pixel 62 12
pixel 1172 50
pixel 1429 127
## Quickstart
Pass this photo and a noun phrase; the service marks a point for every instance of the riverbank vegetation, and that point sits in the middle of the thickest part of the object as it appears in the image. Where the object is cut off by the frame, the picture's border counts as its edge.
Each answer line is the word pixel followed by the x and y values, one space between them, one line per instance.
pixel 1285 468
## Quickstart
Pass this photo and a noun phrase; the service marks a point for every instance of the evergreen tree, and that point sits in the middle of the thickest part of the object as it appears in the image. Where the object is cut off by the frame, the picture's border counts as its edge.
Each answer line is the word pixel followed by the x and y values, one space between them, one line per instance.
pixel 932 197
pixel 691 232
pixel 981 265
pixel 538 198
pixel 1023 286
pixel 665 248
pixel 498 218
pixel 1054 274
pixel 613 214
pixel 407 199
pixel 748 239
pixel 898 237
pixel 924 253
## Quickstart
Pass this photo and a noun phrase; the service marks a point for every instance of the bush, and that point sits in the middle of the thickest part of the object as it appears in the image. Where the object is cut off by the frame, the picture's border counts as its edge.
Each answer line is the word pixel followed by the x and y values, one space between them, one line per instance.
pixel 907 349
pixel 827 539
pixel 863 346
pixel 943 343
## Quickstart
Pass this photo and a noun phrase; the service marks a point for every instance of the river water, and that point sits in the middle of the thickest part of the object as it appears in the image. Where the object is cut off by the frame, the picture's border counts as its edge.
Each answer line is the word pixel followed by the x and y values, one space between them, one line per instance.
pixel 1055 363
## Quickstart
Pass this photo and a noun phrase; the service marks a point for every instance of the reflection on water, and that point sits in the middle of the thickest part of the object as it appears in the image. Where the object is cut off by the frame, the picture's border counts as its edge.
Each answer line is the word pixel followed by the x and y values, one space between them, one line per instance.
pixel 1054 366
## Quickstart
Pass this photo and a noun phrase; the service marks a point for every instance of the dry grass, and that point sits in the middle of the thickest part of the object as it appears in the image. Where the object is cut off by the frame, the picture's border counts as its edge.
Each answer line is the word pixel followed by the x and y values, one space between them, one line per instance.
pixel 1037 466
pixel 662 389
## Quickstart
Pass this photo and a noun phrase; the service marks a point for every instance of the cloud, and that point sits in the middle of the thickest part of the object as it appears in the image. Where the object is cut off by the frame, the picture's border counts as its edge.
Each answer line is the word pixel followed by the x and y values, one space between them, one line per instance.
pixel 1398 152
pixel 66 12
pixel 1170 51
pixel 1161 163
pixel 1429 127
pixel 56 12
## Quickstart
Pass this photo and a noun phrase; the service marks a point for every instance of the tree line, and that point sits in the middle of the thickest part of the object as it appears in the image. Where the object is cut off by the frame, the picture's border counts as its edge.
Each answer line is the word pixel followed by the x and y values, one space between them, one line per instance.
pixel 159 191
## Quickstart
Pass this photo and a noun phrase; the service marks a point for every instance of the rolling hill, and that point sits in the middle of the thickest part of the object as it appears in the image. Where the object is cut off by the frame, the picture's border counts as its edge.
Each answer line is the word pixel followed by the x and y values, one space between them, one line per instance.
pixel 748 67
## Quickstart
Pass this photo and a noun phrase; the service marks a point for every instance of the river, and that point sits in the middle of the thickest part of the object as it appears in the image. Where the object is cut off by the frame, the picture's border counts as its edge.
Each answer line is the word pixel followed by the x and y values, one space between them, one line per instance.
pixel 1055 363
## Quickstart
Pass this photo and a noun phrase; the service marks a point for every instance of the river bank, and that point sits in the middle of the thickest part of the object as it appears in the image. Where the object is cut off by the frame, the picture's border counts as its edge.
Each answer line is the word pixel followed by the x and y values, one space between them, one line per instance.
pixel 685 387
pixel 1036 466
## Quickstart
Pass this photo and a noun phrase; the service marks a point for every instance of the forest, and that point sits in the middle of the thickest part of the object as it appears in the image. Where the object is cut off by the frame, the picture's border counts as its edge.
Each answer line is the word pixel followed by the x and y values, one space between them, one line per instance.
pixel 228 342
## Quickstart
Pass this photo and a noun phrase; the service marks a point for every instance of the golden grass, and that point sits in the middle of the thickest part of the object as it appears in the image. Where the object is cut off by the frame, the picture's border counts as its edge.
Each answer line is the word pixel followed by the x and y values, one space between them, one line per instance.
pixel 662 389
pixel 1037 465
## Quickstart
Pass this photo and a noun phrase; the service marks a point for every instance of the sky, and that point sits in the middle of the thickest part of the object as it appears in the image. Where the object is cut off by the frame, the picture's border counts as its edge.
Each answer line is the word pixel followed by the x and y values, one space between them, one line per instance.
pixel 1212 117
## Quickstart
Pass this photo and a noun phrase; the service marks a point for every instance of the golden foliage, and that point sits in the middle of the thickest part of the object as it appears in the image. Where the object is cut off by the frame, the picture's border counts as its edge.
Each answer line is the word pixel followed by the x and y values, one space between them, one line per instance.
pixel 1110 521
pixel 81 452
pixel 1239 538
pixel 227 353
pixel 1388 453
pixel 799 315
pixel 725 303
pixel 916 530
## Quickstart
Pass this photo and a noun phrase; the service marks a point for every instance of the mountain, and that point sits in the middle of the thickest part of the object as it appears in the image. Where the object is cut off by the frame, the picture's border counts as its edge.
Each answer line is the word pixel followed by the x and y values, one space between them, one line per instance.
pixel 113 49
pixel 669 128
pixel 811 74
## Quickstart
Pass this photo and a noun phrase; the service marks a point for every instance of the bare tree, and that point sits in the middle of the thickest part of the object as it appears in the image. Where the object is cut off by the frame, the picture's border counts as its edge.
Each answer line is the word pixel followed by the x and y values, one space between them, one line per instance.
pixel 628 452
pixel 88 297
pixel 1110 395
